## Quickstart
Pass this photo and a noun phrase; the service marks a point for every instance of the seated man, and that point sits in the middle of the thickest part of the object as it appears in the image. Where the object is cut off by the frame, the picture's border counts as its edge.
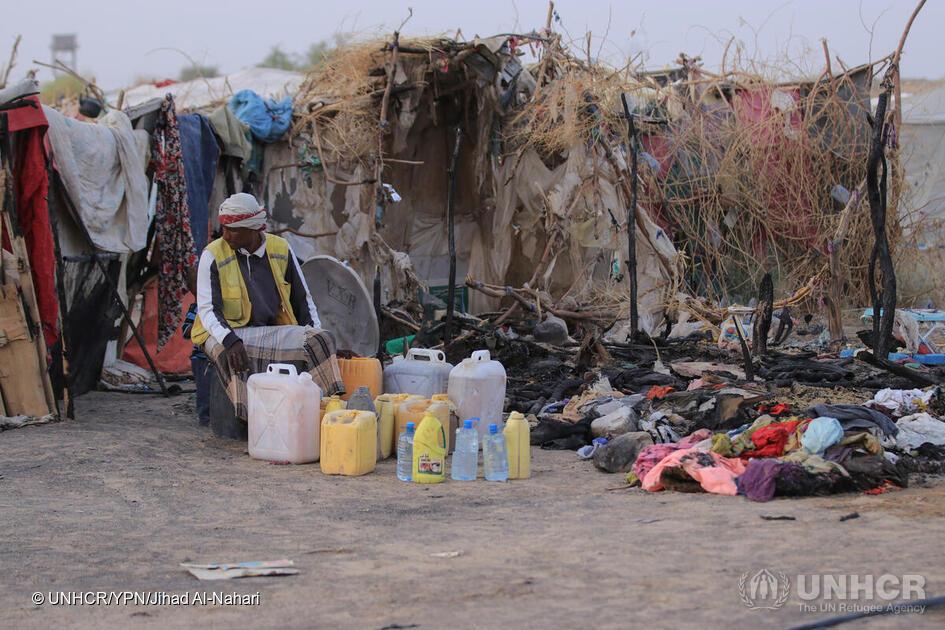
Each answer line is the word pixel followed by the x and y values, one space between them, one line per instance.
pixel 254 308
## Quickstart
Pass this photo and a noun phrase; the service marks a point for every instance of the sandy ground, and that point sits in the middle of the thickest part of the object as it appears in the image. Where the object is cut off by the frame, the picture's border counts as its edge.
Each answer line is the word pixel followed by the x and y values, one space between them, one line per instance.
pixel 117 499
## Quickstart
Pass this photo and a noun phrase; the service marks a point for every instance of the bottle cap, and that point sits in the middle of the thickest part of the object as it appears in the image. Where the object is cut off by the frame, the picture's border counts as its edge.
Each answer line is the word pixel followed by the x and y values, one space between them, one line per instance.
pixel 410 428
pixel 467 424
pixel 493 429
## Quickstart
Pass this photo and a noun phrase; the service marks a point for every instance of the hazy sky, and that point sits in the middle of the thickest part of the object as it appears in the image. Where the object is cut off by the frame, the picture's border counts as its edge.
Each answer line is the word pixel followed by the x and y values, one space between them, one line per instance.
pixel 120 40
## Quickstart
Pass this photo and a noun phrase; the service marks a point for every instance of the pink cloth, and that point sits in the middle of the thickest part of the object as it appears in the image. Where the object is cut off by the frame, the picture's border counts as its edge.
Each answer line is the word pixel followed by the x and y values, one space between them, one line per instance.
pixel 651 455
pixel 716 474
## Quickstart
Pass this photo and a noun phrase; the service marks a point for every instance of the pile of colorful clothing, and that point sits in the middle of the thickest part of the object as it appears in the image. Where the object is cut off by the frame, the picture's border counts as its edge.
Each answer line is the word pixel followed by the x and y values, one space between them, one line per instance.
pixel 824 450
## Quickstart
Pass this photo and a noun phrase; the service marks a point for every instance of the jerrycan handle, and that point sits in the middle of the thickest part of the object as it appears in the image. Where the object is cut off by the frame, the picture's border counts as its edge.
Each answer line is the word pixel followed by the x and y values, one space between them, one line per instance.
pixel 282 368
pixel 481 355
pixel 433 356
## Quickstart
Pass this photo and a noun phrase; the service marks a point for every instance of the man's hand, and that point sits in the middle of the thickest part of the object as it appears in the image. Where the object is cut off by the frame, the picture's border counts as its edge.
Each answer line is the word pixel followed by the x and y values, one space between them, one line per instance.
pixel 237 359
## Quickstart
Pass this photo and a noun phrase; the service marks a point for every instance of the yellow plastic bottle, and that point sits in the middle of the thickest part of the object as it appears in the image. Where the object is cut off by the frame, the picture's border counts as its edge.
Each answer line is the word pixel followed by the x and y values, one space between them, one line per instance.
pixel 386 405
pixel 429 451
pixel 517 445
pixel 415 410
pixel 349 442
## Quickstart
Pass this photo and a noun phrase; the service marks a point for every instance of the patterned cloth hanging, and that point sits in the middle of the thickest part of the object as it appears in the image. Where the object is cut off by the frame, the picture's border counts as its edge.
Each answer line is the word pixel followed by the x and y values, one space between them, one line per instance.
pixel 172 236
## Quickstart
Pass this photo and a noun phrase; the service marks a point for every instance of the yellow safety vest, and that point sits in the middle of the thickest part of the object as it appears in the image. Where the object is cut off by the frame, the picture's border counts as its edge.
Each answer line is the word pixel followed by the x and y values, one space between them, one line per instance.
pixel 236 305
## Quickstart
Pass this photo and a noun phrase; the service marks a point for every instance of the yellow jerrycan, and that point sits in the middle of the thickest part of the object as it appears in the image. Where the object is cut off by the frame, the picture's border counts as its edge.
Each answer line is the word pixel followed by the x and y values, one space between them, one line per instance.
pixel 517 445
pixel 386 405
pixel 429 451
pixel 349 443
pixel 329 404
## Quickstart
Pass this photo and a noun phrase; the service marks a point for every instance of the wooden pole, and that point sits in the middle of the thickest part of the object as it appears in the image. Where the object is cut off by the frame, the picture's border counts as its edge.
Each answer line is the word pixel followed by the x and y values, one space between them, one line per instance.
pixel 884 301
pixel 835 288
pixel 632 217
pixel 763 322
pixel 68 401
pixel 450 223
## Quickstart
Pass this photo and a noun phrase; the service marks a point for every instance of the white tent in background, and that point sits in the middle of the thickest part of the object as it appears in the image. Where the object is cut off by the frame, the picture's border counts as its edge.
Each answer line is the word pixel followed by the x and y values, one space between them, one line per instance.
pixel 199 93
pixel 922 208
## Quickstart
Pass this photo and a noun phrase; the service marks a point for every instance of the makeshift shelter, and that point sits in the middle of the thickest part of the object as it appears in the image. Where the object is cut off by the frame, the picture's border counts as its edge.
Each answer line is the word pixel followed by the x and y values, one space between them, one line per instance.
pixel 553 222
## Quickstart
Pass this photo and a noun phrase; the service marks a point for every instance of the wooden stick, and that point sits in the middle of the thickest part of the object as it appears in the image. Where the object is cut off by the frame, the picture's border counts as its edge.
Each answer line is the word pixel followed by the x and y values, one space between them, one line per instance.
pixel 11 63
pixel 828 69
pixel 303 234
pixel 835 289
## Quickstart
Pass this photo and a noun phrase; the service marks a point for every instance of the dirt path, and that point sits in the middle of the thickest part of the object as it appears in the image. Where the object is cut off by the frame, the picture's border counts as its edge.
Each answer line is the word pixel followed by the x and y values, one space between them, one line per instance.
pixel 117 499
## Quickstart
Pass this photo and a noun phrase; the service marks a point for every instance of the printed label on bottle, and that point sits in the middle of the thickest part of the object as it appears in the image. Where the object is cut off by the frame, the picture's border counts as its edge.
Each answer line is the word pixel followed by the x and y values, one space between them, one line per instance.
pixel 430 466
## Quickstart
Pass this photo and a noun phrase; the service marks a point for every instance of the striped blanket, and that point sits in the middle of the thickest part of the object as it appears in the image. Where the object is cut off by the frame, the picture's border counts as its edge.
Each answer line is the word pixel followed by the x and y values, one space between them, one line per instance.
pixel 310 349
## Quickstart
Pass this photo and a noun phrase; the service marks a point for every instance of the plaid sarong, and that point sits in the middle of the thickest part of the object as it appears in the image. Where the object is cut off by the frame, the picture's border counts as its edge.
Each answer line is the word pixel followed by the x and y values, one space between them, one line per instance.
pixel 309 349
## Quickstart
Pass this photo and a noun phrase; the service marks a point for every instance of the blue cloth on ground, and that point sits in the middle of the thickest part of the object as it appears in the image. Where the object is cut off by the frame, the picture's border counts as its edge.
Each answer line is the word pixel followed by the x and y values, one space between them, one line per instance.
pixel 821 434
pixel 200 152
pixel 268 119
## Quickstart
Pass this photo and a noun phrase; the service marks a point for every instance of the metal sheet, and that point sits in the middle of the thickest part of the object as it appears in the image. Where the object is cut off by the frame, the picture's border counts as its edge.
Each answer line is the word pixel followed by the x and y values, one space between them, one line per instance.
pixel 344 304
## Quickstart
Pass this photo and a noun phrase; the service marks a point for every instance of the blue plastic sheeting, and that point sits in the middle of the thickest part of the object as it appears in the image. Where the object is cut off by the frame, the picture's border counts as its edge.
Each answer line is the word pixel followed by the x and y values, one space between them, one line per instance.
pixel 268 120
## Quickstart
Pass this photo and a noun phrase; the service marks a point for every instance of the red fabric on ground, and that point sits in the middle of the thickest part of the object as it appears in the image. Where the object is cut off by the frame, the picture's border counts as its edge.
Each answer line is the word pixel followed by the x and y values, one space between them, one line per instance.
pixel 31 186
pixel 174 357
pixel 770 441
pixel 658 392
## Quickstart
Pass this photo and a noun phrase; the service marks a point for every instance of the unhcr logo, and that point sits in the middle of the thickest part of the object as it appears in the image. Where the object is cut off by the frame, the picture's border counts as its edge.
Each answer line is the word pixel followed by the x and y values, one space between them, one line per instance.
pixel 764 589
pixel 769 590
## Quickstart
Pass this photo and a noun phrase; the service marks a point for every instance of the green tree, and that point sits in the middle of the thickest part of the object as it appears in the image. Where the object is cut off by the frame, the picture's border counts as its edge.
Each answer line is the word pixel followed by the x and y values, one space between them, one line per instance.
pixel 320 51
pixel 280 60
pixel 63 86
pixel 196 71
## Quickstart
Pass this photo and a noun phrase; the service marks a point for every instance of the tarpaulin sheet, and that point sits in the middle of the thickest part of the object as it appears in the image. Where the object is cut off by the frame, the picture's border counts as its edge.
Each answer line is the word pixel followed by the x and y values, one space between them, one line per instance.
pixel 174 357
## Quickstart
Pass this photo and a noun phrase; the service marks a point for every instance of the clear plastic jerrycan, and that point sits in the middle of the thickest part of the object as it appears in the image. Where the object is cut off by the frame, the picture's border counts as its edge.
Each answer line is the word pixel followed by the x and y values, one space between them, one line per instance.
pixel 477 389
pixel 283 415
pixel 424 372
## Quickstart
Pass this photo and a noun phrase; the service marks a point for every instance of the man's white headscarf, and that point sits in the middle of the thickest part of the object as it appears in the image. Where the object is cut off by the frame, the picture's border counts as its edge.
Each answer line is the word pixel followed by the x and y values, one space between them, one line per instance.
pixel 242 211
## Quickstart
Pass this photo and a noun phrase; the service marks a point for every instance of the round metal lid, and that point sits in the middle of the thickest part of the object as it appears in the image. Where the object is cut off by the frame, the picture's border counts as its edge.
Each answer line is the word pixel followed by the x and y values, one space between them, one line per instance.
pixel 344 305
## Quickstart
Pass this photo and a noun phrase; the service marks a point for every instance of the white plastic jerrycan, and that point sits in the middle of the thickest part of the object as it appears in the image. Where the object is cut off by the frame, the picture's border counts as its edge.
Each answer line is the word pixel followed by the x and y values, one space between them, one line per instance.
pixel 283 415
pixel 477 388
pixel 424 372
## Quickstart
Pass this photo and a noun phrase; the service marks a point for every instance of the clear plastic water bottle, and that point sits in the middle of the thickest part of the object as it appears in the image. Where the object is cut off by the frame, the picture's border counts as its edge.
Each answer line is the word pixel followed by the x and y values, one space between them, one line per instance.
pixel 495 458
pixel 405 453
pixel 466 455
